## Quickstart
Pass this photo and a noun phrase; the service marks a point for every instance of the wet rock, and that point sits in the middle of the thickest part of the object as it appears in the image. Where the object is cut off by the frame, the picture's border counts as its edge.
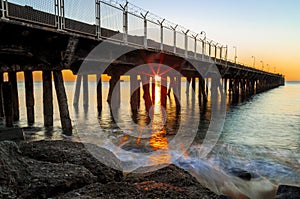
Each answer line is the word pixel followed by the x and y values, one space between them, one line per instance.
pixel 288 192
pixel 110 190
pixel 224 197
pixel 23 177
pixel 13 170
pixel 76 153
pixel 245 175
pixel 61 169
pixel 14 134
pixel 172 176
pixel 141 190
pixel 6 192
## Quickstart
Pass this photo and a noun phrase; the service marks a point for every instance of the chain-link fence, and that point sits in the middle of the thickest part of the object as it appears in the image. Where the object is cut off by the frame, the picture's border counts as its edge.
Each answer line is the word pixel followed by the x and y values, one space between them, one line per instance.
pixel 80 16
pixel 105 18
pixel 37 11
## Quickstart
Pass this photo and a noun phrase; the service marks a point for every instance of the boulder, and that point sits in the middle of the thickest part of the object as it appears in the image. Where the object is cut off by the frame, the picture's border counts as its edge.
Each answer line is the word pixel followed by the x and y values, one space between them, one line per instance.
pixel 63 169
pixel 28 178
pixel 171 178
pixel 75 153
pixel 245 175
pixel 288 192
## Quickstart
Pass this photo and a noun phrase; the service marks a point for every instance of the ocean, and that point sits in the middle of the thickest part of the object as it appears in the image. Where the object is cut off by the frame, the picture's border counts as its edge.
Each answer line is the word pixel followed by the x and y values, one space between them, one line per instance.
pixel 260 135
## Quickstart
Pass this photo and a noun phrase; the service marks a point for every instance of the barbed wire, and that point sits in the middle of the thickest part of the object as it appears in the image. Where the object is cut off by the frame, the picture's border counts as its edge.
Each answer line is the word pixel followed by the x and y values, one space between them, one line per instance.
pixel 140 12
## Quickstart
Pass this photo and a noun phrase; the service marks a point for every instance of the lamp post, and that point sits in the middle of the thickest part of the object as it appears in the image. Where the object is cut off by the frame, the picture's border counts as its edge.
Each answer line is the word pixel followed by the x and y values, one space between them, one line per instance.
pixel 262 65
pixel 274 69
pixel 268 68
pixel 235 55
pixel 253 61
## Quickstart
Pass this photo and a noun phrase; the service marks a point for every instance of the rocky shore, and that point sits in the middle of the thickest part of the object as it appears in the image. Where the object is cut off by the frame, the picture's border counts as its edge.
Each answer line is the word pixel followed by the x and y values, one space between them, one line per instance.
pixel 62 169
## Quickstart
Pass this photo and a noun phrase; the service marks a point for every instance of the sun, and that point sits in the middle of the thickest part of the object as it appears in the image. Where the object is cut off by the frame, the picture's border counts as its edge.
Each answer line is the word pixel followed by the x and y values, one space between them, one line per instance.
pixel 157 78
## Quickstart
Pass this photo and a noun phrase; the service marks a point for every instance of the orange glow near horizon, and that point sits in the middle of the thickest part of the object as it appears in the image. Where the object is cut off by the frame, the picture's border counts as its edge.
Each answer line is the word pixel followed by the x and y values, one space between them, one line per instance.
pixel 291 72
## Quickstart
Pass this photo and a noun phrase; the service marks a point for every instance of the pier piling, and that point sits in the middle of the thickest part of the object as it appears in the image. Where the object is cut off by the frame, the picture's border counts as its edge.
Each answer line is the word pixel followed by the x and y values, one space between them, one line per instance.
pixel 62 102
pixel 8 103
pixel 77 90
pixel 85 91
pixel 12 76
pixel 99 94
pixel 1 101
pixel 29 96
pixel 134 90
pixel 163 91
pixel 47 98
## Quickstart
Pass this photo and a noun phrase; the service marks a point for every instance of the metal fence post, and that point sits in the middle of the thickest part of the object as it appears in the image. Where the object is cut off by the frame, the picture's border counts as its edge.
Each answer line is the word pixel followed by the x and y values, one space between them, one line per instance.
pixel 59 14
pixel 226 55
pixel 209 48
pixel 98 19
pixel 161 34
pixel 203 44
pixel 145 29
pixel 216 49
pixel 174 29
pixel 3 9
pixel 62 14
pixel 186 42
pixel 56 12
pixel 125 22
pixel 195 47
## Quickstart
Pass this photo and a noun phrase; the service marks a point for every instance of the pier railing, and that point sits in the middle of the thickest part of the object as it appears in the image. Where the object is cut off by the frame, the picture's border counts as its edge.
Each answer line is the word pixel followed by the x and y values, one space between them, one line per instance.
pixel 103 18
pixel 137 26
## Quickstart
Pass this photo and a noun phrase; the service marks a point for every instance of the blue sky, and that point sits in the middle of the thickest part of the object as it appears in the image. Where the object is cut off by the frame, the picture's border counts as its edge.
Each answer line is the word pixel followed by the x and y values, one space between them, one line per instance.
pixel 266 29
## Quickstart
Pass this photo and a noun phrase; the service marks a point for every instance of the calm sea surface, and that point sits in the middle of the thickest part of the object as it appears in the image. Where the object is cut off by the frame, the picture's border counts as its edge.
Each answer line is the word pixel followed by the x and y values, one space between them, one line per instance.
pixel 260 135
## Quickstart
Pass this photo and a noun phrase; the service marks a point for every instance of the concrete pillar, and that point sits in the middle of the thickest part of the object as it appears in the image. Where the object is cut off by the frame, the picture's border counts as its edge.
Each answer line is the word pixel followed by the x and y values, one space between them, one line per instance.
pixel 47 98
pixel 62 103
pixel 225 85
pixel 99 94
pixel 29 96
pixel 134 90
pixel 77 90
pixel 163 91
pixel 8 103
pixel 85 91
pixel 114 86
pixel 1 98
pixel 153 90
pixel 177 91
pixel 188 82
pixel 146 89
pixel 12 76
pixel 194 84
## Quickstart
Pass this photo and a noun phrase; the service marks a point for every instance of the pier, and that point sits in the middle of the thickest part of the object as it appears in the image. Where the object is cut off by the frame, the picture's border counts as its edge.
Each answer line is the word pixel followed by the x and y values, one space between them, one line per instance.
pixel 50 39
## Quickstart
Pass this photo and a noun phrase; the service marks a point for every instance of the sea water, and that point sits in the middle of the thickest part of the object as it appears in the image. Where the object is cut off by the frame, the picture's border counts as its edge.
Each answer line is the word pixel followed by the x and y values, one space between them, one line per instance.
pixel 260 135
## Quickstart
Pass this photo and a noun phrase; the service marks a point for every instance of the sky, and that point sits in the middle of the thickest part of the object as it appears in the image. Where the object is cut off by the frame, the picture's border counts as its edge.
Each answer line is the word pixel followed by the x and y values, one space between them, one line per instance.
pixel 269 30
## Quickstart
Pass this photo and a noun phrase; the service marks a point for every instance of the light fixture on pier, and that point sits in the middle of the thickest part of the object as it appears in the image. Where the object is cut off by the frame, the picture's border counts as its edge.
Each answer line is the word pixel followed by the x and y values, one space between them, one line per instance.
pixel 235 54
pixel 253 61
pixel 262 65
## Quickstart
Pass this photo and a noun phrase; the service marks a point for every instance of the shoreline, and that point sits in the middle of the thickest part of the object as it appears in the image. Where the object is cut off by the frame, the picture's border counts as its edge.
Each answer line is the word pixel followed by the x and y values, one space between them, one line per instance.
pixel 65 169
